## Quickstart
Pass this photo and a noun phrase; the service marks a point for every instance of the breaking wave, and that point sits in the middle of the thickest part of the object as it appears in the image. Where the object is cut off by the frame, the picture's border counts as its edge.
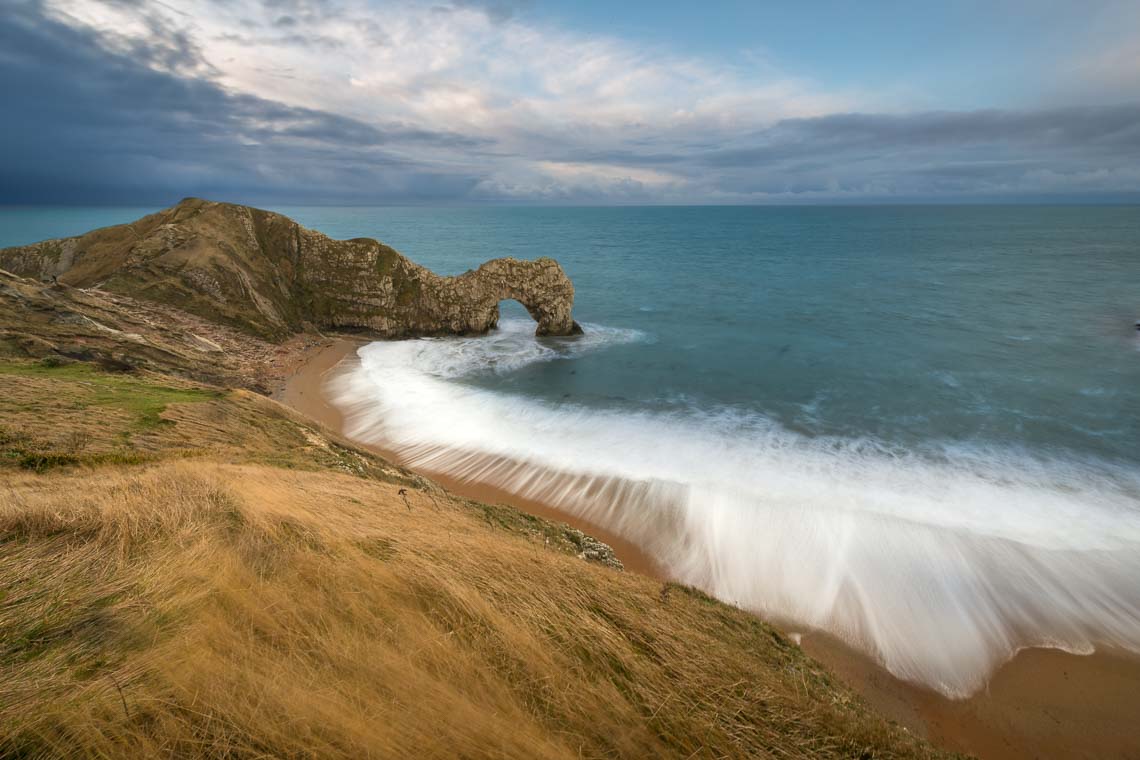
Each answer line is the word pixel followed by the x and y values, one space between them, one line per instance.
pixel 940 564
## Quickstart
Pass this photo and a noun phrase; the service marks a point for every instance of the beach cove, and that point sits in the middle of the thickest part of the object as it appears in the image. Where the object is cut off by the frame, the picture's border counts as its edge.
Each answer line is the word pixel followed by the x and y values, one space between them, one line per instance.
pixel 1042 703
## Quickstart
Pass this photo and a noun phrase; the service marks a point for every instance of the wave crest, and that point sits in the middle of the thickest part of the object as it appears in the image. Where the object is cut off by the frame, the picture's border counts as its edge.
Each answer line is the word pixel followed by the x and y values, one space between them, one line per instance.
pixel 941 566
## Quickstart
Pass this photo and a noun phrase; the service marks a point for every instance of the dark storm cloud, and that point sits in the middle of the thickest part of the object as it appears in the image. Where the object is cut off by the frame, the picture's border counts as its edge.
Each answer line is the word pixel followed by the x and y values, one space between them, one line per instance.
pixel 954 153
pixel 1091 129
pixel 83 124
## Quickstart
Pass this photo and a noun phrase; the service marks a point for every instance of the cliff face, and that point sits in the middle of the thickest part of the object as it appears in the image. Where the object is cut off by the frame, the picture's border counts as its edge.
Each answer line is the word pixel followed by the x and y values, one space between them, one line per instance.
pixel 41 321
pixel 265 273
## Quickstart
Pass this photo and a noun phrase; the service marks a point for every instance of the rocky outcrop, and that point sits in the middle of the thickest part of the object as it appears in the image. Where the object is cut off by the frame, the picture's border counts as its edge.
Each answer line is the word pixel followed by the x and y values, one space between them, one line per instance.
pixel 265 273
pixel 53 322
pixel 591 549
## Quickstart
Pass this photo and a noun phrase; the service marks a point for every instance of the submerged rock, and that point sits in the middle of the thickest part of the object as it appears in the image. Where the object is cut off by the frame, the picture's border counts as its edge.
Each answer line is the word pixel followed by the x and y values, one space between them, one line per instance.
pixel 265 273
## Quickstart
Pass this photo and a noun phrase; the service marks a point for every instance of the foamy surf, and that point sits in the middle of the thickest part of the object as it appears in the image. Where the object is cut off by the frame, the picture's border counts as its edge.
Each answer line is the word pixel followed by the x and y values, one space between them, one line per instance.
pixel 941 566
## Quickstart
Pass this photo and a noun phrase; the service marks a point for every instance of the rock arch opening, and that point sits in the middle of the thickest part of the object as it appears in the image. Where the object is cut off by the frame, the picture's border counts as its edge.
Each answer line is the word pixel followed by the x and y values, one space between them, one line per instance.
pixel 541 287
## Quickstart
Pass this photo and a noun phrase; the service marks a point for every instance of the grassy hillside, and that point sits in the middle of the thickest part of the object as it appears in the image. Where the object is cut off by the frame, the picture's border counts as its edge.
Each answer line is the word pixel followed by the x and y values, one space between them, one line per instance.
pixel 191 571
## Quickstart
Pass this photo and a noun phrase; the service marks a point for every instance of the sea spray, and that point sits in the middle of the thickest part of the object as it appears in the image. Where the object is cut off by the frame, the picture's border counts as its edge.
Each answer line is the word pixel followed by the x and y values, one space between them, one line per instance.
pixel 940 564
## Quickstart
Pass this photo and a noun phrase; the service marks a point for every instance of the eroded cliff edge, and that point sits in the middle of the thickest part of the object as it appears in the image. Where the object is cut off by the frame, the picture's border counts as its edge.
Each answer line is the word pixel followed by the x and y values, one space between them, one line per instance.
pixel 263 272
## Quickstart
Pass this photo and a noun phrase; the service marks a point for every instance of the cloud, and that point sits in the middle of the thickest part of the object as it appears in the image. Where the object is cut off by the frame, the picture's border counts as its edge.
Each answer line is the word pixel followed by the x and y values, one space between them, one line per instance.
pixel 128 129
pixel 498 11
pixel 989 152
pixel 334 101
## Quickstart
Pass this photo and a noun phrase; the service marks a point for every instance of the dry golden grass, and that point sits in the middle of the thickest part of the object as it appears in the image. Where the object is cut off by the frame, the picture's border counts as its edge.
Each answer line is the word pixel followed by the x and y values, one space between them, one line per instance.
pixel 259 589
pixel 245 611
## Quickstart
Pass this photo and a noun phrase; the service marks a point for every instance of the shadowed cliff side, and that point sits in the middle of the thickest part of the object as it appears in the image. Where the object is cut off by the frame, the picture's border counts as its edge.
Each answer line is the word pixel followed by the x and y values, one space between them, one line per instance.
pixel 265 273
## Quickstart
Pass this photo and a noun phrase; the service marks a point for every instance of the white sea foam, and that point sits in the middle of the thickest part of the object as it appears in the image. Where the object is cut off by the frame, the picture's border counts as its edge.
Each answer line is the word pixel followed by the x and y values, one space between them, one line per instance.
pixel 941 567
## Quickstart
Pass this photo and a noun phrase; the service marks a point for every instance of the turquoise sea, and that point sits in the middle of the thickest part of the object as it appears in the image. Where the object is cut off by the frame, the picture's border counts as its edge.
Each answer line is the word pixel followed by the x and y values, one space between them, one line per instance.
pixel 915 427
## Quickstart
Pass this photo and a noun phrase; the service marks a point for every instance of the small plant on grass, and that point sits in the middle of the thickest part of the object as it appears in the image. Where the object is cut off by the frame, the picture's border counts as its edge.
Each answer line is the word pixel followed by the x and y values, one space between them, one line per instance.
pixel 76 441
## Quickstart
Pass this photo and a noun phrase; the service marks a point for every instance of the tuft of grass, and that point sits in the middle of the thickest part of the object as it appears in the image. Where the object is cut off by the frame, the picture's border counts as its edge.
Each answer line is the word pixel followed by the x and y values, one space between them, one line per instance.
pixel 44 461
pixel 54 361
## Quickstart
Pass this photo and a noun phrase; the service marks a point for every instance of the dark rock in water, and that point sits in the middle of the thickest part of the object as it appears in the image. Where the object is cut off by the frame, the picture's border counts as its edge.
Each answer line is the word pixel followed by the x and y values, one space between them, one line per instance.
pixel 264 273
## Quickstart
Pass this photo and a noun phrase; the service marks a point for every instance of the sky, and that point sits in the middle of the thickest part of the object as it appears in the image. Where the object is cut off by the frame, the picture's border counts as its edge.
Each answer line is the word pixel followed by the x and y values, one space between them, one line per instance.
pixel 587 102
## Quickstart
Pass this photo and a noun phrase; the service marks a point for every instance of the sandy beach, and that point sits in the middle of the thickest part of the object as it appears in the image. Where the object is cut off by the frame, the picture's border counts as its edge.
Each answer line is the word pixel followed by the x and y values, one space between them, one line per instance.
pixel 1041 704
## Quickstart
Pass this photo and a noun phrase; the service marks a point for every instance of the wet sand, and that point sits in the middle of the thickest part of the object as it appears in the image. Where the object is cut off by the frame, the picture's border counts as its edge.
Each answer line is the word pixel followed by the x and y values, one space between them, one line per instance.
pixel 1042 704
